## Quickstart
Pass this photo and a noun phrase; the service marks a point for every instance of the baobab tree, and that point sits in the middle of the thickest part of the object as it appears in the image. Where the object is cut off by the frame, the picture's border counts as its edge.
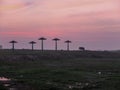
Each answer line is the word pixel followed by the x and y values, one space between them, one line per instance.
pixel 13 44
pixel 56 39
pixel 42 39
pixel 68 42
pixel 32 43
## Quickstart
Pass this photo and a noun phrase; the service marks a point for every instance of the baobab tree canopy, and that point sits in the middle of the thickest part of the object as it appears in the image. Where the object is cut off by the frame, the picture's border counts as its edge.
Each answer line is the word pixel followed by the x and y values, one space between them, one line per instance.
pixel 42 38
pixel 13 41
pixel 32 42
pixel 68 41
pixel 56 39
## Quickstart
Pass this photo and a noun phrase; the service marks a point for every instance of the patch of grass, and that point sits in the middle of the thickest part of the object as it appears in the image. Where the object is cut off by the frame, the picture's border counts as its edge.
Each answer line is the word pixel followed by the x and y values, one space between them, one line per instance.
pixel 60 70
pixel 2 87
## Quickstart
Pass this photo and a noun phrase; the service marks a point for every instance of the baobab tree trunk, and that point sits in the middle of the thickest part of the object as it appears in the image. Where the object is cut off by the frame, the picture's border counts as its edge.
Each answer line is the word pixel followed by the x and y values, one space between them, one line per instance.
pixel 13 46
pixel 32 47
pixel 68 42
pixel 32 43
pixel 67 46
pixel 42 45
pixel 56 45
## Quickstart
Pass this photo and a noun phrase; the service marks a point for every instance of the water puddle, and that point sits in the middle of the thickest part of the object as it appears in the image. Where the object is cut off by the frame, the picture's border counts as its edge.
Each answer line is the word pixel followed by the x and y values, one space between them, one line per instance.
pixel 6 82
pixel 13 85
pixel 3 79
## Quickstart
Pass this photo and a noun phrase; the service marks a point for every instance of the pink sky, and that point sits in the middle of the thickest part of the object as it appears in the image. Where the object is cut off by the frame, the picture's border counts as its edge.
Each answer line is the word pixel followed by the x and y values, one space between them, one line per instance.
pixel 94 24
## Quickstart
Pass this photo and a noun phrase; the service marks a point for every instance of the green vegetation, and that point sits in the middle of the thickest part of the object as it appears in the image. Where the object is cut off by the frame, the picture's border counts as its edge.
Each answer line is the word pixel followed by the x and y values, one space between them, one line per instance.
pixel 2 88
pixel 62 70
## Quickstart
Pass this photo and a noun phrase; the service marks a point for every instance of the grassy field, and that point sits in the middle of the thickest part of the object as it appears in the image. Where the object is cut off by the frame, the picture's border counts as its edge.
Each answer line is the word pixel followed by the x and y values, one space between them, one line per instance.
pixel 62 70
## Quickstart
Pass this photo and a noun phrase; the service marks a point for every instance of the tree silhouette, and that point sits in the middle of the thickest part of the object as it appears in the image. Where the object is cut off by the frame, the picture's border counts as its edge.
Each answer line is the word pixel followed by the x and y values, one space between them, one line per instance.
pixel 13 44
pixel 42 39
pixel 56 39
pixel 82 48
pixel 68 42
pixel 32 43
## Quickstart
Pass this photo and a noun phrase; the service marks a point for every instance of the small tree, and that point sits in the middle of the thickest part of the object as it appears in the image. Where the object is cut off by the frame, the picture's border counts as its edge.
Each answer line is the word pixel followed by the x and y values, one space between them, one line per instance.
pixel 82 48
pixel 42 39
pixel 56 40
pixel 68 42
pixel 13 44
pixel 32 43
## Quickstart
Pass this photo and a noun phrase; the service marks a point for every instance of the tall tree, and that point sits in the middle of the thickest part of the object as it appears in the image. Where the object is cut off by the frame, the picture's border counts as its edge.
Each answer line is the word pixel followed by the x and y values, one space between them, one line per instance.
pixel 42 44
pixel 13 44
pixel 32 43
pixel 56 40
pixel 68 42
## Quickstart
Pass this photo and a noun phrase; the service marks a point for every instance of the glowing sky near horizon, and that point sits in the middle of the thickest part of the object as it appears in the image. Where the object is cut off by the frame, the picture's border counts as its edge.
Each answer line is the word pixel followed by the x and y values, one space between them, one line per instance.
pixel 94 24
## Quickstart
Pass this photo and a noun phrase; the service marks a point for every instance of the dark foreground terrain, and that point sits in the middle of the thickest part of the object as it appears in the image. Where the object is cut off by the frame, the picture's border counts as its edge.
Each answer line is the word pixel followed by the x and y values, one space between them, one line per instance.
pixel 60 70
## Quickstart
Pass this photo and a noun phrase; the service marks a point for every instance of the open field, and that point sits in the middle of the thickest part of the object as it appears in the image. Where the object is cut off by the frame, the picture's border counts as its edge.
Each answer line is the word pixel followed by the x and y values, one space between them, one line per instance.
pixel 62 70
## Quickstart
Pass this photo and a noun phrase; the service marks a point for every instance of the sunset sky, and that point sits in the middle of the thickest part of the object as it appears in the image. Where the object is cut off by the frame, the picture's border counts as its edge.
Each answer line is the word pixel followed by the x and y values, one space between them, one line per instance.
pixel 94 24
